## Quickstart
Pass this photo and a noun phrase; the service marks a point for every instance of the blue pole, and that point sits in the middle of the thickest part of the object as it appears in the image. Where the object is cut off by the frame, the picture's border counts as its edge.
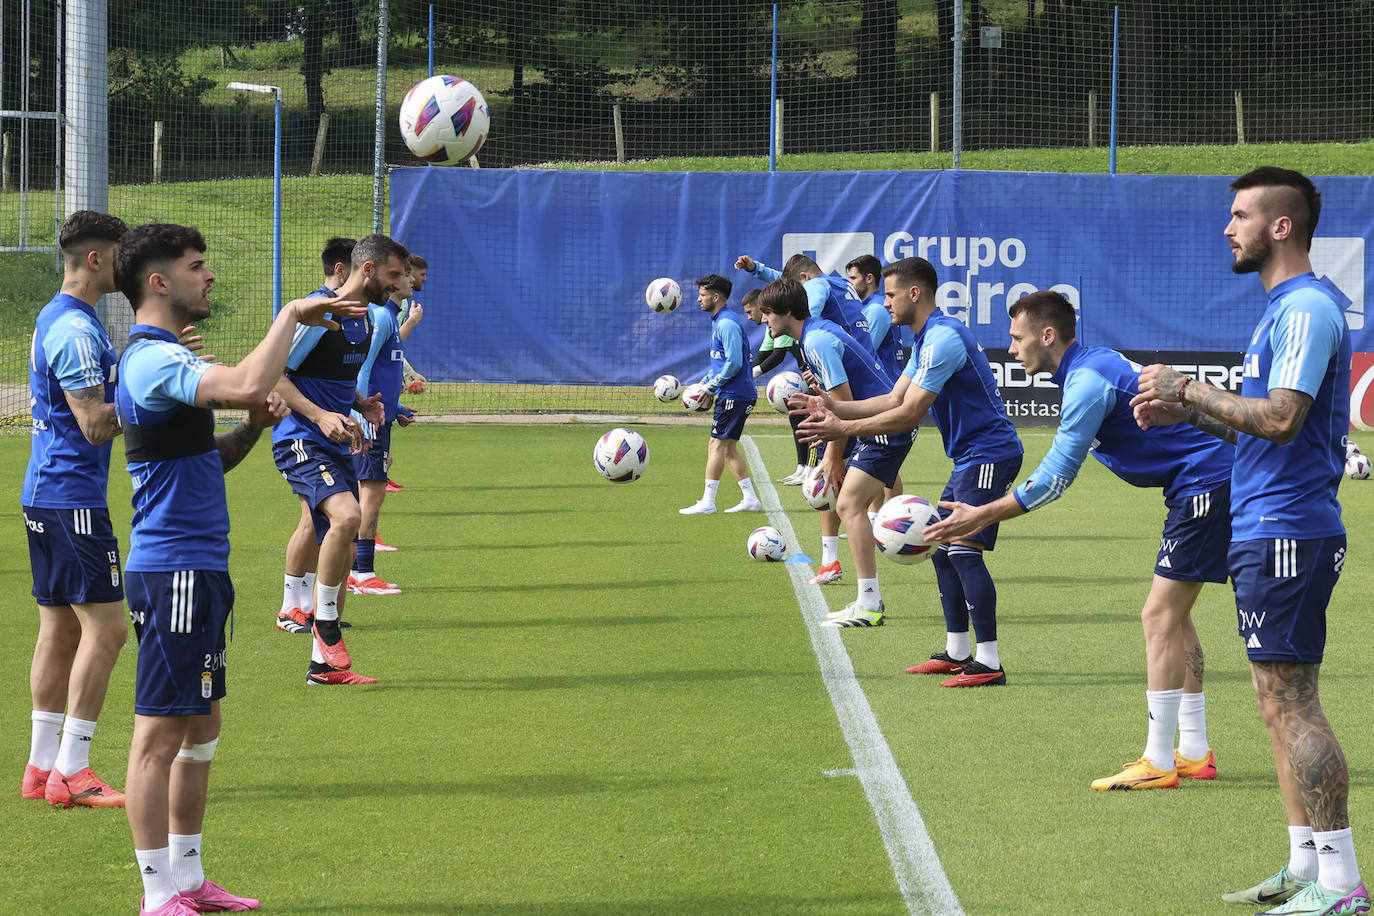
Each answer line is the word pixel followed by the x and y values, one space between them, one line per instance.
pixel 773 101
pixel 1116 47
pixel 276 208
pixel 431 39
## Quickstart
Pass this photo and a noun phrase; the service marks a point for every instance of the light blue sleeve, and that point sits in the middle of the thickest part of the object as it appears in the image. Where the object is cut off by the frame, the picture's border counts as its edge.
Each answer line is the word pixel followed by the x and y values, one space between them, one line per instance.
pixel 1305 335
pixel 817 291
pixel 302 342
pixel 160 375
pixel 74 347
pixel 732 343
pixel 765 273
pixel 382 328
pixel 879 323
pixel 825 356
pixel 942 354
pixel 1088 400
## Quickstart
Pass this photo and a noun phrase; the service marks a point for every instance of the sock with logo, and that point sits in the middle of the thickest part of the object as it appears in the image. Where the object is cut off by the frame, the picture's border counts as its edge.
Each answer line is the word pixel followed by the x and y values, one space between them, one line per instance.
pixel 951 596
pixel 1192 726
pixel 980 595
pixel 327 601
pixel 74 754
pixel 957 646
pixel 155 868
pixel 869 595
pixel 188 871
pixel 1302 853
pixel 1336 867
pixel 1159 736
pixel 47 737
pixel 308 594
pixel 985 653
pixel 291 592
pixel 365 550
pixel 708 493
pixel 746 487
pixel 830 550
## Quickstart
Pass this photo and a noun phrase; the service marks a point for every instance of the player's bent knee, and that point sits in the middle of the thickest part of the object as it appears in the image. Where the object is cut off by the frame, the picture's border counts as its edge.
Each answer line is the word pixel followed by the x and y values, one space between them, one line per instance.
pixel 200 753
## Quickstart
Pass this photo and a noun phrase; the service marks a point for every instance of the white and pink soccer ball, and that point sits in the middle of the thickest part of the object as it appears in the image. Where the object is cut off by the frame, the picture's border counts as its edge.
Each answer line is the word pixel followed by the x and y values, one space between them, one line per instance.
pixel 783 386
pixel 817 491
pixel 667 388
pixel 897 529
pixel 444 120
pixel 621 455
pixel 766 544
pixel 697 398
pixel 1357 466
pixel 663 295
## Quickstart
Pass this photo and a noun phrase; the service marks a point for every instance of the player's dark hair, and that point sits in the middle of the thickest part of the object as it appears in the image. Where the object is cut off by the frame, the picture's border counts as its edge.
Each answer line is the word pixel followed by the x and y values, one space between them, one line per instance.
pixel 378 248
pixel 148 249
pixel 799 262
pixel 750 296
pixel 717 284
pixel 1046 308
pixel 1302 204
pixel 415 262
pixel 867 265
pixel 88 229
pixel 785 296
pixel 914 270
pixel 335 250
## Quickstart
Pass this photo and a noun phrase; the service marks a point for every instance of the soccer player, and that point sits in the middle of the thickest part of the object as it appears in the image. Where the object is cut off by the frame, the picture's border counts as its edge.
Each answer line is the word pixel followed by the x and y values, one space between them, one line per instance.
pixel 831 298
pixel 949 377
pixel 312 447
pixel 179 590
pixel 848 371
pixel 411 312
pixel 1287 539
pixel 735 395
pixel 866 276
pixel 381 375
pixel 1194 470
pixel 769 357
pixel 73 551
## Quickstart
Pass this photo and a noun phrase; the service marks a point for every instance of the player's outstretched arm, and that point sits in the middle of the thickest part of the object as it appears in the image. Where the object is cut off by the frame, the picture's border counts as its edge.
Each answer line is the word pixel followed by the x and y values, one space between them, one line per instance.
pixel 965 520
pixel 904 417
pixel 1278 418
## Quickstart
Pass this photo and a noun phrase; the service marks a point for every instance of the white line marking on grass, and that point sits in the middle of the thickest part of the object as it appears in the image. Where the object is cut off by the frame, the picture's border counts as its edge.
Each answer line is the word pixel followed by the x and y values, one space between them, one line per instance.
pixel 921 879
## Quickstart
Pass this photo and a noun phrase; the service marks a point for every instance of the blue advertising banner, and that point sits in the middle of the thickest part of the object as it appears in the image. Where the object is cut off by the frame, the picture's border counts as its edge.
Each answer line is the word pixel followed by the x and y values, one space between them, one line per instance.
pixel 539 276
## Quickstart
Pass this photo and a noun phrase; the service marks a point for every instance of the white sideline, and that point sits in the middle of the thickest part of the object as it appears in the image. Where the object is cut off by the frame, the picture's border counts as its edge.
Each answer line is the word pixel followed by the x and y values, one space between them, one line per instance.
pixel 921 879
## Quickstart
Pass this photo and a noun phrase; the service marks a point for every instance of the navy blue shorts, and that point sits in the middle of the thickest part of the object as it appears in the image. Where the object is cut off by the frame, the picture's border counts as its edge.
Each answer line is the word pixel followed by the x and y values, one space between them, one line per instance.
pixel 1282 589
pixel 74 556
pixel 728 420
pixel 315 474
pixel 371 465
pixel 979 485
pixel 179 620
pixel 1197 536
pixel 880 457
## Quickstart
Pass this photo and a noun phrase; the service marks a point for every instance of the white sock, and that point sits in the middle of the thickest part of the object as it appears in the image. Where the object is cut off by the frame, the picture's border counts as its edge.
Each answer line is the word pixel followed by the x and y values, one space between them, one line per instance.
pixel 830 550
pixel 327 601
pixel 1302 853
pixel 801 469
pixel 956 645
pixel 308 593
pixel 708 495
pixel 74 754
pixel 986 654
pixel 746 486
pixel 1159 737
pixel 1337 870
pixel 869 595
pixel 316 655
pixel 188 872
pixel 290 592
pixel 1192 726
pixel 155 867
pixel 47 736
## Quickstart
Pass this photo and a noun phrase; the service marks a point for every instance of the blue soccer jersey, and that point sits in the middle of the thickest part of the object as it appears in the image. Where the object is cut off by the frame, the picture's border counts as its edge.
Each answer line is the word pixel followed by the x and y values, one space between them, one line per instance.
pixel 1096 417
pixel 882 336
pixel 383 368
pixel 324 365
pixel 70 351
pixel 968 408
pixel 836 357
pixel 730 353
pixel 181 517
pixel 829 297
pixel 1301 344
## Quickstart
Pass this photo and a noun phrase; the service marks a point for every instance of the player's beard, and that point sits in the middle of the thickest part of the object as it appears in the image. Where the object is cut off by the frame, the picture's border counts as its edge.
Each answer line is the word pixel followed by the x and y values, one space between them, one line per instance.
pixel 1251 260
pixel 375 291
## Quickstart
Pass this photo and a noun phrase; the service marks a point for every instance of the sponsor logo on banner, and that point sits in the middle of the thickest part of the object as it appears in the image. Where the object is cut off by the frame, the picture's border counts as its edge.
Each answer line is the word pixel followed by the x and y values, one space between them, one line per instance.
pixel 1362 391
pixel 831 250
pixel 1341 260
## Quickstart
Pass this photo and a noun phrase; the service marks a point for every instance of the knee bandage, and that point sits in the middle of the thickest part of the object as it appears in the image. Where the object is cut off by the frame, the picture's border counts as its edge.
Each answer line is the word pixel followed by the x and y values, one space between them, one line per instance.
pixel 200 753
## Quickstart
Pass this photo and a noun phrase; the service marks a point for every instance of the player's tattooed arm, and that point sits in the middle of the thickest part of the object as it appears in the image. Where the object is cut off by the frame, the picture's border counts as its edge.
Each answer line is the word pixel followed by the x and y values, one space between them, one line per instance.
pixel 1288 697
pixel 1212 426
pixel 98 419
pixel 236 443
pixel 1278 418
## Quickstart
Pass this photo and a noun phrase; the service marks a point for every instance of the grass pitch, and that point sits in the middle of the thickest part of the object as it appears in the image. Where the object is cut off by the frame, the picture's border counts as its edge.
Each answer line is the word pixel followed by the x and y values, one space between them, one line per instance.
pixel 590 704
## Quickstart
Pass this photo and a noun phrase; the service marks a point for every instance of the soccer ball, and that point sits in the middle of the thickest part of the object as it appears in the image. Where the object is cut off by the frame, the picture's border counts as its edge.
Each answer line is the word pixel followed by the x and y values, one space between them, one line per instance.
pixel 697 398
pixel 663 295
pixel 667 388
pixel 1351 448
pixel 817 491
pixel 444 120
pixel 782 387
pixel 621 455
pixel 766 544
pixel 897 529
pixel 1357 466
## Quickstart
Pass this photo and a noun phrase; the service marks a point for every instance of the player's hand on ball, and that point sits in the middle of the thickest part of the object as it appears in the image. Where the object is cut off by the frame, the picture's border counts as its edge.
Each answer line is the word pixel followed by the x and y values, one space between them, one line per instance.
pixel 313 311
pixel 744 262
pixel 269 413
pixel 960 523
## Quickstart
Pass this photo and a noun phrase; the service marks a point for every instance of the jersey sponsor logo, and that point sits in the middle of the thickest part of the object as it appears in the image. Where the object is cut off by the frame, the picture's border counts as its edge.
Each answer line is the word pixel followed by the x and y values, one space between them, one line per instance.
pixel 1362 391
